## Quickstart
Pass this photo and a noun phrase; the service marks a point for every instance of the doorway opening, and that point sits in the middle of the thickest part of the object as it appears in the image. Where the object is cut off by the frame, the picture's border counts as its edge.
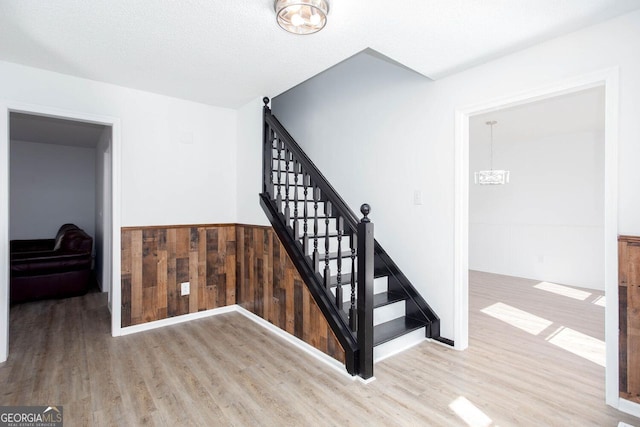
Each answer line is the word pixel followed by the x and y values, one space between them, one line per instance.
pixel 61 167
pixel 607 79
pixel 536 252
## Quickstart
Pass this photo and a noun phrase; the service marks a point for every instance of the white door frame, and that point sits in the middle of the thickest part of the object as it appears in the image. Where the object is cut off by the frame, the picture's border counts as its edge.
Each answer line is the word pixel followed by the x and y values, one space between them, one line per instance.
pixel 609 79
pixel 5 109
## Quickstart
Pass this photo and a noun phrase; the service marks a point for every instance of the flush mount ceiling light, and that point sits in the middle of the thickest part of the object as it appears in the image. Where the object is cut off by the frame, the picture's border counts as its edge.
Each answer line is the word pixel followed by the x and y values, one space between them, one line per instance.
pixel 492 177
pixel 302 16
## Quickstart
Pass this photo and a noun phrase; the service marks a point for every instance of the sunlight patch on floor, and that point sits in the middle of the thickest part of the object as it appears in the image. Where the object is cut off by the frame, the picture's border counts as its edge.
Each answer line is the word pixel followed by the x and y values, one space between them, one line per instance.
pixel 469 413
pixel 518 318
pixel 601 301
pixel 563 290
pixel 582 345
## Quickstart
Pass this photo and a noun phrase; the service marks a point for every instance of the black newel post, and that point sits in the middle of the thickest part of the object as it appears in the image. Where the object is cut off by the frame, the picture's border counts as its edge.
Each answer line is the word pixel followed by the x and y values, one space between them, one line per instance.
pixel 267 151
pixel 365 293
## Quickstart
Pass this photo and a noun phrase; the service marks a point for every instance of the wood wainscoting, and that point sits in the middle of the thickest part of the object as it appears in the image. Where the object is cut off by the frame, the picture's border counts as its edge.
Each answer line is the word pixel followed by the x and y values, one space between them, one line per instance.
pixel 269 286
pixel 226 264
pixel 156 260
pixel 629 317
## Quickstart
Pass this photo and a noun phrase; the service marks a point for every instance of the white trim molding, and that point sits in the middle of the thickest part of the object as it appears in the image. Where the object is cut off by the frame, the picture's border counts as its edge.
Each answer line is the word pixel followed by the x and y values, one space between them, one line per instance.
pixel 609 79
pixel 5 109
pixel 297 342
pixel 128 330
pixel 629 407
pixel 4 233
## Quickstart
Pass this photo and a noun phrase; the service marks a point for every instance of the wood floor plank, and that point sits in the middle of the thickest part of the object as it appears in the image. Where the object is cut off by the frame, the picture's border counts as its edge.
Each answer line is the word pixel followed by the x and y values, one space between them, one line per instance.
pixel 225 370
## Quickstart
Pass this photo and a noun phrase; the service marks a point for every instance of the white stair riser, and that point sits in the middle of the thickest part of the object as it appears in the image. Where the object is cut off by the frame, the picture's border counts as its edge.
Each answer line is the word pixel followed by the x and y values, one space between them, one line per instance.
pixel 398 345
pixel 333 246
pixel 388 312
pixel 333 267
pixel 322 226
pixel 310 210
pixel 379 285
pixel 292 189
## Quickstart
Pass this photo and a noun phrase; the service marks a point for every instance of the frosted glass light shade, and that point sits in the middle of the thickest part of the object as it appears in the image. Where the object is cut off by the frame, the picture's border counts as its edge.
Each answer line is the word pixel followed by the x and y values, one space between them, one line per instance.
pixel 302 16
pixel 492 177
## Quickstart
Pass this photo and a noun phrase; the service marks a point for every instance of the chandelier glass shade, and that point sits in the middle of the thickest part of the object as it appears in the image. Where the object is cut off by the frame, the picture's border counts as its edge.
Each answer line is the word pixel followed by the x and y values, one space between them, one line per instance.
pixel 492 176
pixel 302 16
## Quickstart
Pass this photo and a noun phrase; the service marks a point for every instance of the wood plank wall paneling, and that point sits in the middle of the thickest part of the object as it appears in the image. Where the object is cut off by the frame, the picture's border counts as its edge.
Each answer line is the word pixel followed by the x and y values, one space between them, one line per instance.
pixel 226 264
pixel 629 317
pixel 269 285
pixel 155 261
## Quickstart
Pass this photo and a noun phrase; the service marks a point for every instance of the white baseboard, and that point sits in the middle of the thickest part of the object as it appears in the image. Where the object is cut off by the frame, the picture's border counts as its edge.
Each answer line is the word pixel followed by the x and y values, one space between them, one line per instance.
pixel 629 407
pixel 176 320
pixel 297 342
pixel 398 345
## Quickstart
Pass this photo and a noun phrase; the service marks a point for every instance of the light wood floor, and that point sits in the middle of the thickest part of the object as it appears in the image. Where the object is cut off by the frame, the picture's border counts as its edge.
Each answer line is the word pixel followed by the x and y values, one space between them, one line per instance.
pixel 227 371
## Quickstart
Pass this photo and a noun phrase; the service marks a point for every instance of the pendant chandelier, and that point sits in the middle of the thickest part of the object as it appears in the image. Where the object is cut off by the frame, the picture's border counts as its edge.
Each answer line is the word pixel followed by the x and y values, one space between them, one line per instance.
pixel 302 16
pixel 492 176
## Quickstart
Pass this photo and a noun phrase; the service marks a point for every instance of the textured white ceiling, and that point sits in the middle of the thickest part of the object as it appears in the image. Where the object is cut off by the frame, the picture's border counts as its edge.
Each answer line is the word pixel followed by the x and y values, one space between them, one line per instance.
pixel 226 53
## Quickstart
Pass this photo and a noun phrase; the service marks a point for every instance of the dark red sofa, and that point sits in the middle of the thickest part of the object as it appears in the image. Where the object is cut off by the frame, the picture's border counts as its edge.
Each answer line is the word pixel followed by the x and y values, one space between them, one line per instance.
pixel 51 268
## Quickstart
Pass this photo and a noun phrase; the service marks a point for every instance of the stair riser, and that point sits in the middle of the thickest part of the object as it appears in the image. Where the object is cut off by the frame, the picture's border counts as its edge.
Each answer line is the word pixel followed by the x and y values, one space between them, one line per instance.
pixel 333 246
pixel 321 223
pixel 388 312
pixel 333 267
pixel 310 209
pixel 292 189
pixel 398 345
pixel 380 284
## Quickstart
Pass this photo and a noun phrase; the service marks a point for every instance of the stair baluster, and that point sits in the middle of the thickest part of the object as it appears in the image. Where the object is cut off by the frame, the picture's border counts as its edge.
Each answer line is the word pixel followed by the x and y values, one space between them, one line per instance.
pixel 339 229
pixel 287 209
pixel 280 144
pixel 305 236
pixel 327 270
pixel 353 313
pixel 316 231
pixel 272 141
pixel 296 226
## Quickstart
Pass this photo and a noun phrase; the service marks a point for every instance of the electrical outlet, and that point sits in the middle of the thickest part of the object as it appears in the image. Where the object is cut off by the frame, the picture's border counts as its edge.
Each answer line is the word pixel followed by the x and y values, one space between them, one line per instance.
pixel 185 288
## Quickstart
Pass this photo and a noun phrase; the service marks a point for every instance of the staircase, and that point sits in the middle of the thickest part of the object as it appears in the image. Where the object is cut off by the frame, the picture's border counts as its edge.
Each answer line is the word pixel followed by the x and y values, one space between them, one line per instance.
pixel 370 305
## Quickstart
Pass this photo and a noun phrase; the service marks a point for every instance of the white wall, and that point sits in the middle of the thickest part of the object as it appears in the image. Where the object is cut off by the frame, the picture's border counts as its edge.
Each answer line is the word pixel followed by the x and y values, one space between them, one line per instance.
pixel 178 157
pixel 174 160
pixel 249 167
pixel 379 133
pixel 50 185
pixel 548 222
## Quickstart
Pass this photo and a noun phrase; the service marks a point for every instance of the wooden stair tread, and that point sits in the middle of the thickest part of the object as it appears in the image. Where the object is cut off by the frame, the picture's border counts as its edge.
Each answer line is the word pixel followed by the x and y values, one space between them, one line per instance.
pixel 395 328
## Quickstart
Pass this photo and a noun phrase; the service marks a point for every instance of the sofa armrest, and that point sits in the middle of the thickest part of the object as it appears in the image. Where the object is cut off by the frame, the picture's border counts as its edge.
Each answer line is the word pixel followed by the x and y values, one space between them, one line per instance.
pixel 32 245
pixel 48 262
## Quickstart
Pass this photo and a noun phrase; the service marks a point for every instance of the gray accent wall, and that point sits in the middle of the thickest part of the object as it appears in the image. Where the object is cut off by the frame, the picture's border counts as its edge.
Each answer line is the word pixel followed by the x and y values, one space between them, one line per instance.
pixel 50 185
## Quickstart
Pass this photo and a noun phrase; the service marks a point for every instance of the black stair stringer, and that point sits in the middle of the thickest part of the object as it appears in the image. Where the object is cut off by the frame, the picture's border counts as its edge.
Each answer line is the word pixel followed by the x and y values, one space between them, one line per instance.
pixel 335 318
pixel 416 306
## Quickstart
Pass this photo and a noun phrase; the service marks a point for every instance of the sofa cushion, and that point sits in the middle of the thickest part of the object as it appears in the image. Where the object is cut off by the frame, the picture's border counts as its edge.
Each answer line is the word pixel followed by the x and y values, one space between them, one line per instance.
pixel 63 229
pixel 75 241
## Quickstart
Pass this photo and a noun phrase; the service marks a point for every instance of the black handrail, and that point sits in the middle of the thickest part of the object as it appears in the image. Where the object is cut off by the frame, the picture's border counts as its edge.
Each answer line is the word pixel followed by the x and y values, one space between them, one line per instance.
pixel 355 336
pixel 329 193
